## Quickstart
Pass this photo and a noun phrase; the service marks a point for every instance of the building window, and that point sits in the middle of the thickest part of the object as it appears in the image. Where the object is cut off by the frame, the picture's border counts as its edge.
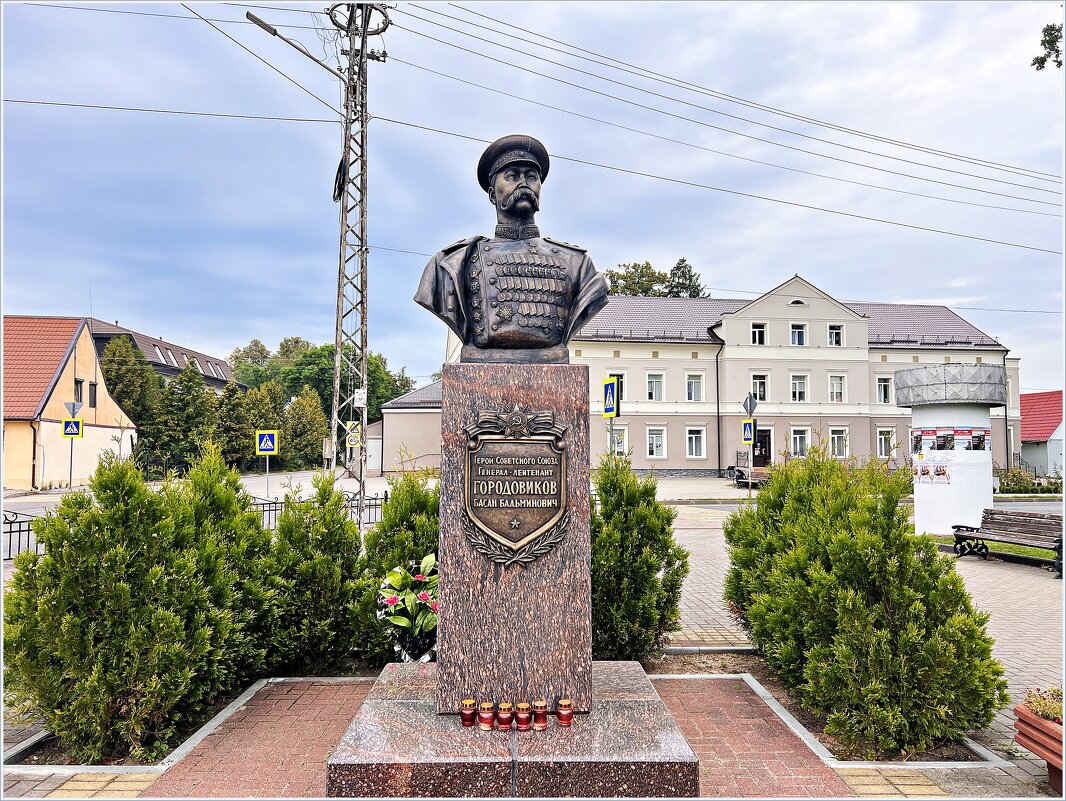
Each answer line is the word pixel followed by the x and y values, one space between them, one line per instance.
pixel 170 355
pixel 656 443
pixel 185 358
pixel 79 390
pixel 655 386
pixel 884 442
pixel 159 353
pixel 799 389
pixel 694 438
pixel 620 445
pixel 838 443
pixel 92 394
pixel 694 387
pixel 758 333
pixel 836 336
pixel 798 334
pixel 197 363
pixel 621 384
pixel 836 388
pixel 758 386
pixel 799 441
pixel 884 390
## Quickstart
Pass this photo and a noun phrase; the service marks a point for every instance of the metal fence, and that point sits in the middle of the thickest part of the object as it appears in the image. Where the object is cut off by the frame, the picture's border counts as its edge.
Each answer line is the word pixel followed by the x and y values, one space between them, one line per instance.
pixel 18 534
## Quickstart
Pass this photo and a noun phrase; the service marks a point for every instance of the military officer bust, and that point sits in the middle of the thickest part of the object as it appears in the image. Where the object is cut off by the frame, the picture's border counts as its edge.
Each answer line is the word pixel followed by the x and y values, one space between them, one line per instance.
pixel 517 297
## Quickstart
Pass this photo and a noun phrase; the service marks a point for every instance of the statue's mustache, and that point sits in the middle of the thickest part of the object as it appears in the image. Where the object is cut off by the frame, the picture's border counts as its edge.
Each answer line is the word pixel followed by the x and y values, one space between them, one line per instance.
pixel 516 195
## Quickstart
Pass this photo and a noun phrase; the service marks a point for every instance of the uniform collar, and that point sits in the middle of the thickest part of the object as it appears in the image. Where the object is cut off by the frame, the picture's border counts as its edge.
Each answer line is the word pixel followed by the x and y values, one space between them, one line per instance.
pixel 517 231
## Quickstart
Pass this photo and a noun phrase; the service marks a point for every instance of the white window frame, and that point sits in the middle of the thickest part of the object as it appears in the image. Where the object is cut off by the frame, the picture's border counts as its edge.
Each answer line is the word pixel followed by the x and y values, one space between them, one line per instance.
pixel 847 442
pixel 624 375
pixel 792 441
pixel 647 435
pixel 647 386
pixel 792 330
pixel 624 431
pixel 700 376
pixel 806 387
pixel 703 442
pixel 877 388
pixel 843 388
pixel 173 361
pixel 766 385
pixel 198 366
pixel 764 327
pixel 829 334
pixel 891 443
pixel 159 353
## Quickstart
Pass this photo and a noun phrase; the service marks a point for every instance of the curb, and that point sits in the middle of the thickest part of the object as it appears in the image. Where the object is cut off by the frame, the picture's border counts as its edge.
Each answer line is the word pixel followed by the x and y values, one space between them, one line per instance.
pixel 684 650
pixel 989 759
pixel 27 747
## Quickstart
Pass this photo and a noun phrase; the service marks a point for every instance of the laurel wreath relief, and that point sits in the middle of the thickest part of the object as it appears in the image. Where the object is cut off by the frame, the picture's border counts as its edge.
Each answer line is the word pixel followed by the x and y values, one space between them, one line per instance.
pixel 487 546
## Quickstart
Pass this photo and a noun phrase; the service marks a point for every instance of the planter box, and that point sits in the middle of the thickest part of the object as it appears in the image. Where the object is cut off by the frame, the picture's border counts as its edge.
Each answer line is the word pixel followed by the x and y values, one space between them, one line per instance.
pixel 1042 737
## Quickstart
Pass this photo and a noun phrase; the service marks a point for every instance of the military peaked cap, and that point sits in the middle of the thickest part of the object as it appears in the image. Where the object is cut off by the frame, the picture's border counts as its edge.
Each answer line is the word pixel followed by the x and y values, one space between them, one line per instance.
pixel 508 150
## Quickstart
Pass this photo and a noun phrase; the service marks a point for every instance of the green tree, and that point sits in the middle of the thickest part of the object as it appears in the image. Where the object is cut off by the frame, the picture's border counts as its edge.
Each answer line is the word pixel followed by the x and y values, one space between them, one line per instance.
pixel 135 386
pixel 292 347
pixel 312 368
pixel 255 353
pixel 304 427
pixel 265 406
pixel 684 281
pixel 252 375
pixel 188 417
pixel 637 279
pixel 233 432
pixel 1051 41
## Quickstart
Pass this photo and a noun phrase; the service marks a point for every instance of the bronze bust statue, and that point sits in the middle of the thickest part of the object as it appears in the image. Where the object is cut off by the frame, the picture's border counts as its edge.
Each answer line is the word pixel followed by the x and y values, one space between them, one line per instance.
pixel 517 297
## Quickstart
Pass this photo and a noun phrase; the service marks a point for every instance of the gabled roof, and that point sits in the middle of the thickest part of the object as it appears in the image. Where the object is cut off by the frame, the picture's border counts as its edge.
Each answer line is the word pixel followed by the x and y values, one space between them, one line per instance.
pixel 801 298
pixel 157 352
pixel 35 351
pixel 427 397
pixel 1041 415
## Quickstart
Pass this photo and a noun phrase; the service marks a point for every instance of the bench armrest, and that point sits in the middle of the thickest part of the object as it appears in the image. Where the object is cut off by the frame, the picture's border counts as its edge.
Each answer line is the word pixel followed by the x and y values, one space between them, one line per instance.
pixel 960 529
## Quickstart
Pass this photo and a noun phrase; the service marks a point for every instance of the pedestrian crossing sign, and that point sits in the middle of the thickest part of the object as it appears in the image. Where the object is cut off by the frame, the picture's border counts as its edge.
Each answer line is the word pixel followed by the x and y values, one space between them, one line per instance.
pixel 266 443
pixel 72 428
pixel 749 430
pixel 610 397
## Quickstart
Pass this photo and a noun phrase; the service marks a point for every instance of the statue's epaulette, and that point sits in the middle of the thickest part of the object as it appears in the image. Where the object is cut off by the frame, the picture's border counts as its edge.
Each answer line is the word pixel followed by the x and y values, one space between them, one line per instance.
pixel 578 248
pixel 461 243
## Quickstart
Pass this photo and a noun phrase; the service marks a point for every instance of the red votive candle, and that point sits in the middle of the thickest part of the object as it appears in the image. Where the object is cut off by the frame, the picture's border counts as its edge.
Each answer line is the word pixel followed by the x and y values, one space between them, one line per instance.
pixel 565 711
pixel 540 716
pixel 523 717
pixel 504 715
pixel 468 712
pixel 486 716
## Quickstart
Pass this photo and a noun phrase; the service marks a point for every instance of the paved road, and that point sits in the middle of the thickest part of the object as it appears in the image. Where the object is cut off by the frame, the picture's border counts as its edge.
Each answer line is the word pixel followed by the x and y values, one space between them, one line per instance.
pixel 1044 507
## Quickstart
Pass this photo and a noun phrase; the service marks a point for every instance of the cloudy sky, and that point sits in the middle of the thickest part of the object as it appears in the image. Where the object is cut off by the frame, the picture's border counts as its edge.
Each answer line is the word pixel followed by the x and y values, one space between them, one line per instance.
pixel 210 231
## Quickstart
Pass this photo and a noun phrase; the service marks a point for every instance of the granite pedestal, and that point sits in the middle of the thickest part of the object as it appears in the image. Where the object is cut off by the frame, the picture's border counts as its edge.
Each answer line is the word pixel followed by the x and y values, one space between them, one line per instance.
pixel 627 746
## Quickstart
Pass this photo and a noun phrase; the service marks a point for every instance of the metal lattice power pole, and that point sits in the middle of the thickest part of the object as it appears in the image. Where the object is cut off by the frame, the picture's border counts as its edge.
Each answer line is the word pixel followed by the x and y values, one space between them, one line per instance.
pixel 350 358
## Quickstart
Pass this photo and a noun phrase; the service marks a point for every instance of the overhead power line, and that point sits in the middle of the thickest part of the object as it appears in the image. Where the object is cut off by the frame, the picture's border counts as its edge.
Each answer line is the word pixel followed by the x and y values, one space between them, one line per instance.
pixel 705 124
pixel 156 14
pixel 752 104
pixel 722 113
pixel 713 150
pixel 181 112
pixel 738 193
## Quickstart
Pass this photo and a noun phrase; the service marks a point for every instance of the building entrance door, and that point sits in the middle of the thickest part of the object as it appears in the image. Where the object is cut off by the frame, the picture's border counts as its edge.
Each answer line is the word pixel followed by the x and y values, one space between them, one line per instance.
pixel 761 451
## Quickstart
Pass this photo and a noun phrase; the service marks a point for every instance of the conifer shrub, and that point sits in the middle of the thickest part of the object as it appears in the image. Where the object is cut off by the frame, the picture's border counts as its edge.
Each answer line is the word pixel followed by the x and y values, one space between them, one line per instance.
pixel 408 531
pixel 316 562
pixel 868 624
pixel 111 637
pixel 637 567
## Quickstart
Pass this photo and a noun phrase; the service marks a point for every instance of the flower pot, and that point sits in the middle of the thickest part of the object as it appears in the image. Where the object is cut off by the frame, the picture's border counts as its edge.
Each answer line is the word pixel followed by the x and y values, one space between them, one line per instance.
pixel 1044 738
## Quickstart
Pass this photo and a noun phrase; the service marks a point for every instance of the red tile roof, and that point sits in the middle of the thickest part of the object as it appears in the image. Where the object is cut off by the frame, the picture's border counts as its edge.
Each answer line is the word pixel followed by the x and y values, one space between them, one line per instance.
pixel 1041 415
pixel 34 350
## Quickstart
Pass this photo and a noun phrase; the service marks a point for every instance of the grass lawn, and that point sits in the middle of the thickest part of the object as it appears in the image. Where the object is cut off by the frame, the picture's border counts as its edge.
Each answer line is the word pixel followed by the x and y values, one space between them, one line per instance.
pixel 1005 547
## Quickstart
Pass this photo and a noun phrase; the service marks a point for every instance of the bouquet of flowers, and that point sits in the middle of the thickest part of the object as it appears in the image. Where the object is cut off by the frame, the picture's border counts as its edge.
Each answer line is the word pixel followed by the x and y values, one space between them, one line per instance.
pixel 407 601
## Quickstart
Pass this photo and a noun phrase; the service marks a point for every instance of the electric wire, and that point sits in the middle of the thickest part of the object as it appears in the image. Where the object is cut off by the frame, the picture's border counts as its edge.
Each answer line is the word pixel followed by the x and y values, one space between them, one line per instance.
pixel 170 111
pixel 260 58
pixel 736 192
pixel 716 111
pixel 717 127
pixel 156 14
pixel 713 150
pixel 680 83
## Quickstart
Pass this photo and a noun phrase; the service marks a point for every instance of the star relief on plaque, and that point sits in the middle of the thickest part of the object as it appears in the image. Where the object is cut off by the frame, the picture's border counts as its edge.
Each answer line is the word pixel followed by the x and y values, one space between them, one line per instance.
pixel 516 494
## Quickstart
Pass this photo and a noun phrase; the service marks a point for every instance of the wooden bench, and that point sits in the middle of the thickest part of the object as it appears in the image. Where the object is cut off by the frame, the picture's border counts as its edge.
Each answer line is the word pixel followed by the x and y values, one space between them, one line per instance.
pixel 757 476
pixel 1032 529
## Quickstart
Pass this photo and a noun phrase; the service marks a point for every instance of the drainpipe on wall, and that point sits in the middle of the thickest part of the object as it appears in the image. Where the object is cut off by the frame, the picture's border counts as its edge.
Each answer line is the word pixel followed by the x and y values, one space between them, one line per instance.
pixel 33 461
pixel 717 399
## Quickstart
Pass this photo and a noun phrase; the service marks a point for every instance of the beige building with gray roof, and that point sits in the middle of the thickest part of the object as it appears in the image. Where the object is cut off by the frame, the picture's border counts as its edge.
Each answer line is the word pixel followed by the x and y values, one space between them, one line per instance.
pixel 821 370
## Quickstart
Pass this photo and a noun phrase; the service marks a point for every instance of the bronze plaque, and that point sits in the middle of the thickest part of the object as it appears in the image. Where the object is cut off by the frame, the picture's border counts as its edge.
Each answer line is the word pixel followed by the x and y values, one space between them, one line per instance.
pixel 516 498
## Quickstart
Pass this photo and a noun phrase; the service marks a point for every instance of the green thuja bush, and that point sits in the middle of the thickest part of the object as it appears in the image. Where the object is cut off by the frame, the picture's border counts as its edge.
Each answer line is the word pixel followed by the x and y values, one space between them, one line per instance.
pixel 868 624
pixel 112 637
pixel 637 567
pixel 317 564
pixel 408 531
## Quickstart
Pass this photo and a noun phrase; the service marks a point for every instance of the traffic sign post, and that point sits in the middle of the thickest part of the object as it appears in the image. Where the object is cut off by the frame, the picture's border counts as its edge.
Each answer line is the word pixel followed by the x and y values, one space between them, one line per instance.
pixel 75 432
pixel 266 444
pixel 748 434
pixel 611 402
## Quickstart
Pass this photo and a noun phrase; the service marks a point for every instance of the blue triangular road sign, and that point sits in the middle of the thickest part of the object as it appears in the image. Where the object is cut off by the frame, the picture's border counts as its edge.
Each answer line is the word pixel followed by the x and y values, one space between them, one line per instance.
pixel 608 398
pixel 266 442
pixel 73 427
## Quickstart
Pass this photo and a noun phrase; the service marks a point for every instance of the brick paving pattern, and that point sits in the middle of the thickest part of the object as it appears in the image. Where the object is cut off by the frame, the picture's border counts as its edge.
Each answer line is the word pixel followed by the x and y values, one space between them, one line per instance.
pixel 105 785
pixel 745 749
pixel 18 784
pixel 875 783
pixel 276 745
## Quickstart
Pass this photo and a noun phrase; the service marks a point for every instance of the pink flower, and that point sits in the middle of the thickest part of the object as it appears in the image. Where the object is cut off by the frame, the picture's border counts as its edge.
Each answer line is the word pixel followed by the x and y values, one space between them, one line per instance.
pixel 420 577
pixel 434 606
pixel 423 597
pixel 393 600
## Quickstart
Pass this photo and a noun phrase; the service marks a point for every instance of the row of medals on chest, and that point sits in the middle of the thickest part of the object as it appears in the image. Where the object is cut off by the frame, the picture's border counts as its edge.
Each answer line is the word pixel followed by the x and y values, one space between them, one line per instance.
pixel 519 270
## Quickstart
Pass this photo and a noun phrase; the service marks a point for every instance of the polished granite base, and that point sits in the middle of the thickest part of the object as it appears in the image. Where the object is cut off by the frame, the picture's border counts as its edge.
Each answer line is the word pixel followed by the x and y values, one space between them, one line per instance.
pixel 627 746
